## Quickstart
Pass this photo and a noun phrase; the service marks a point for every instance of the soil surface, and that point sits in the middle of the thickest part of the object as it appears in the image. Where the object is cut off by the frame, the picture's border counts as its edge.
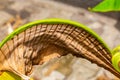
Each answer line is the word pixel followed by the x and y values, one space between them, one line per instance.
pixel 14 13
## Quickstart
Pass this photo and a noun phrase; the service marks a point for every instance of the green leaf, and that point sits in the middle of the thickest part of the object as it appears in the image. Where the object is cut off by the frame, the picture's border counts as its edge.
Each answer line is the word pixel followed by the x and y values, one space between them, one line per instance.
pixel 107 5
pixel 9 76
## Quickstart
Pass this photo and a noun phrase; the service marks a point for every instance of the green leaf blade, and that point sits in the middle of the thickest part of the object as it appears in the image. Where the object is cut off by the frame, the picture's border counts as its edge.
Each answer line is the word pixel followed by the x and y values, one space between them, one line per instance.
pixel 9 76
pixel 107 5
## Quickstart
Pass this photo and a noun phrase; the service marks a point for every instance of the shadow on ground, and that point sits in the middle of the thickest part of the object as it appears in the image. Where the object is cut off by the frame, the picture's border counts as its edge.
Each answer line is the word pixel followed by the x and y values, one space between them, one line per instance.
pixel 117 25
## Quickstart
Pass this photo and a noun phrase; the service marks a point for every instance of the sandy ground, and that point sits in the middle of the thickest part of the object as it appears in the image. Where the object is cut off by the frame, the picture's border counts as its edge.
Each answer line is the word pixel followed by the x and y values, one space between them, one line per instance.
pixel 107 25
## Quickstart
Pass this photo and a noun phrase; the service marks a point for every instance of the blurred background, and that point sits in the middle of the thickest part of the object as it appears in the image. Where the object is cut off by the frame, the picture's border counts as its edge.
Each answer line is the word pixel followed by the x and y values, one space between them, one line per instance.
pixel 14 13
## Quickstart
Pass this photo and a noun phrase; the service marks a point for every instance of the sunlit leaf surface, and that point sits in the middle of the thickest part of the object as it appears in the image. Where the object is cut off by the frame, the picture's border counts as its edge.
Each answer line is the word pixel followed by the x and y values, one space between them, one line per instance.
pixel 9 76
pixel 107 5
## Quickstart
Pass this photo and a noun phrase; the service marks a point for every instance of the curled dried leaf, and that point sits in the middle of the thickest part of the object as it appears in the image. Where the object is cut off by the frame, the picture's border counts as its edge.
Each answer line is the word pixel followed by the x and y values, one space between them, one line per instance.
pixel 38 42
